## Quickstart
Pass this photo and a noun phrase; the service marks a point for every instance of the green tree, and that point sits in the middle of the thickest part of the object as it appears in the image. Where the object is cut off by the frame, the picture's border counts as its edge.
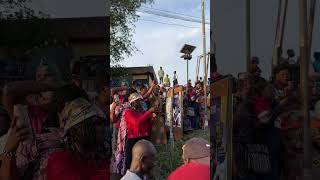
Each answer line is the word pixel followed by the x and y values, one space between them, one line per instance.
pixel 19 10
pixel 122 23
pixel 15 14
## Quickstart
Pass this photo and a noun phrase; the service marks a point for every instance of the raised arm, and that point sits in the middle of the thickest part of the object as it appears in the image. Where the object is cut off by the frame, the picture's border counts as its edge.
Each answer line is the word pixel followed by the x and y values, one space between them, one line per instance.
pixel 8 168
pixel 113 118
pixel 149 91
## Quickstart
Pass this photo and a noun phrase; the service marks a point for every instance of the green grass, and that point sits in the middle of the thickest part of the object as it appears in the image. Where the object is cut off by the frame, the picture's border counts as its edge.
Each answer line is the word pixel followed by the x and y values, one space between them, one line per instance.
pixel 167 162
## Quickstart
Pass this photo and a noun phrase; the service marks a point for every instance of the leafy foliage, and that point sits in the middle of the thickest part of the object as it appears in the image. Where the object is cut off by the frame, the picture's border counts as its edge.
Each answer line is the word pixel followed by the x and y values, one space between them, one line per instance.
pixel 122 19
pixel 15 14
pixel 19 10
pixel 118 71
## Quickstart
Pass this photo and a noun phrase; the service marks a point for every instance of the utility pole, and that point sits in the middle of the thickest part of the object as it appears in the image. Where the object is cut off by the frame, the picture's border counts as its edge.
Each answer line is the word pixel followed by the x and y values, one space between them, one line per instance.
pixel 284 18
pixel 313 4
pixel 204 65
pixel 248 33
pixel 307 162
pixel 277 39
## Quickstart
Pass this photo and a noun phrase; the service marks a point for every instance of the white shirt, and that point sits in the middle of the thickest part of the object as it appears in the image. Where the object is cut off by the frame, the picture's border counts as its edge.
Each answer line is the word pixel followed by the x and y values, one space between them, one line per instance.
pixel 130 176
pixel 175 77
pixel 161 73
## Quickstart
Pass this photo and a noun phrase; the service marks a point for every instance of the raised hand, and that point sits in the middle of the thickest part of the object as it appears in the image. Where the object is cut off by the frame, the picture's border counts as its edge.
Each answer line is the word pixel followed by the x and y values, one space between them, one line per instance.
pixel 15 136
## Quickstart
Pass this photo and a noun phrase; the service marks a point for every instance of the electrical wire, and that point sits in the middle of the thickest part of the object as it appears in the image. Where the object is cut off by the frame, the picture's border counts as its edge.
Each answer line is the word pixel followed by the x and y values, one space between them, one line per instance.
pixel 166 15
pixel 162 14
pixel 171 12
pixel 173 24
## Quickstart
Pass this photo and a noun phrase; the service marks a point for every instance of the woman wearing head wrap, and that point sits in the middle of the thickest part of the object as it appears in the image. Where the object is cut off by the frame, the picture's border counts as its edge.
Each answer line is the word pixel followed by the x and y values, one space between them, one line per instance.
pixel 31 159
pixel 46 72
pixel 22 92
pixel 84 158
pixel 138 124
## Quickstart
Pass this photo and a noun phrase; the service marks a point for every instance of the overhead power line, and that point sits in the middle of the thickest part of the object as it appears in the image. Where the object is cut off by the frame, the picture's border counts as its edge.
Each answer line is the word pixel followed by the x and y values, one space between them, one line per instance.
pixel 171 16
pixel 163 14
pixel 172 24
pixel 172 12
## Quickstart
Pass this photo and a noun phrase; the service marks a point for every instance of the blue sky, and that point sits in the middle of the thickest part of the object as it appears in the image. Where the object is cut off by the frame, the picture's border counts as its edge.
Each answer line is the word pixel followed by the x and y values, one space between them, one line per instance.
pixel 160 44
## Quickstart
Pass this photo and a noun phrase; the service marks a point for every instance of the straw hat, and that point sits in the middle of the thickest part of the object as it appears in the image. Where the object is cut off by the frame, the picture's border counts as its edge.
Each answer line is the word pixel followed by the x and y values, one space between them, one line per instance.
pixel 77 111
pixel 133 97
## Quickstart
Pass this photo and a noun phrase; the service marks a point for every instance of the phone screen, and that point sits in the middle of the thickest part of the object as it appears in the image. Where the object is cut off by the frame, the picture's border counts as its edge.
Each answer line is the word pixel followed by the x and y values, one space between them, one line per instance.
pixel 21 113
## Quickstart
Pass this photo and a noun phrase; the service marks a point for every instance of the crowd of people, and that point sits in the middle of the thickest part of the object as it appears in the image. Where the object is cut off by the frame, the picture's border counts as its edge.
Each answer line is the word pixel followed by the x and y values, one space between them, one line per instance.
pixel 54 130
pixel 138 112
pixel 268 122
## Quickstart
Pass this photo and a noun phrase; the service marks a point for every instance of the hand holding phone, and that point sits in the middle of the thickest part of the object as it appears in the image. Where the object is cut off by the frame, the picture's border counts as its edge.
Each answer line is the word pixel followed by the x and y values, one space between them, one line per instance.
pixel 23 121
pixel 117 99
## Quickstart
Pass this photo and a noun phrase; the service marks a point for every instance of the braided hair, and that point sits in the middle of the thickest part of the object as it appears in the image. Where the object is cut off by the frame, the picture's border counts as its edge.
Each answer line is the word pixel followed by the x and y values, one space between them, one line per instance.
pixel 81 141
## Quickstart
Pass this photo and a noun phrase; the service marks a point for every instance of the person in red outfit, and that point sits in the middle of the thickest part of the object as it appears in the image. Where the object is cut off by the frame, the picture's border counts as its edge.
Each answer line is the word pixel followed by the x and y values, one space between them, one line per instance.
pixel 196 157
pixel 84 157
pixel 139 123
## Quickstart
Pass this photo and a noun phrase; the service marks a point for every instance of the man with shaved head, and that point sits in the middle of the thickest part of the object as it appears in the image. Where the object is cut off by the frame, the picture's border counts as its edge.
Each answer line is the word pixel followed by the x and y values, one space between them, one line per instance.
pixel 143 158
pixel 196 158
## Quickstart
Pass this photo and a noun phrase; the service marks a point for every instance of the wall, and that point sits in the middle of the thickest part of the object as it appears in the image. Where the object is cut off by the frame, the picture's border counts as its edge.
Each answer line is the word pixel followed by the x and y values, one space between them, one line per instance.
pixel 89 49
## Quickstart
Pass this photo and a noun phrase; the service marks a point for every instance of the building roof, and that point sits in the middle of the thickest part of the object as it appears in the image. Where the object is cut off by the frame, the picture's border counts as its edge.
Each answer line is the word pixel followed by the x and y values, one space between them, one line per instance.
pixel 87 28
pixel 144 70
pixel 141 70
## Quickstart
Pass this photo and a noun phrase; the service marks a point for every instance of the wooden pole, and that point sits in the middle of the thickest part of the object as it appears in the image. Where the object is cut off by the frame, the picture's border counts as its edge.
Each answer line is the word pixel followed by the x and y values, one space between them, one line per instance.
pixel 304 64
pixel 277 38
pixel 208 61
pixel 204 65
pixel 283 23
pixel 229 131
pixel 310 26
pixel 248 33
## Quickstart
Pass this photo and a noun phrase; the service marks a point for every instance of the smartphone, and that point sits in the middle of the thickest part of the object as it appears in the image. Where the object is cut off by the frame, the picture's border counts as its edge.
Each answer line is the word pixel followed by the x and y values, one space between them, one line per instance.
pixel 116 99
pixel 21 113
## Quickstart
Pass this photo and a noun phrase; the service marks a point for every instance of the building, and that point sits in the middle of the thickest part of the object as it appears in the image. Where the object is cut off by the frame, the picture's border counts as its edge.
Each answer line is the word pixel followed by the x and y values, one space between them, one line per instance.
pixel 142 75
pixel 60 41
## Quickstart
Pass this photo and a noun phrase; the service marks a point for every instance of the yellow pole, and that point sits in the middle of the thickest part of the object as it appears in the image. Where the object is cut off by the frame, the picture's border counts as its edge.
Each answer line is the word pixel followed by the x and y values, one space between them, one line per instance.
pixel 307 161
pixel 204 65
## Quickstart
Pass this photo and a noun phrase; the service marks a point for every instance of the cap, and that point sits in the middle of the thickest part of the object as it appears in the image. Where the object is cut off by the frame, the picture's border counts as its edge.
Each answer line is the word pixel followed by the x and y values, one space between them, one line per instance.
pixel 77 111
pixel 133 97
pixel 196 148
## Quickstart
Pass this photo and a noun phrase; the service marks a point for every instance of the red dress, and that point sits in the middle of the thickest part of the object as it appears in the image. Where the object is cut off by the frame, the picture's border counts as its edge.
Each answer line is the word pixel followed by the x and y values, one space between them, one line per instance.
pixel 138 124
pixel 63 166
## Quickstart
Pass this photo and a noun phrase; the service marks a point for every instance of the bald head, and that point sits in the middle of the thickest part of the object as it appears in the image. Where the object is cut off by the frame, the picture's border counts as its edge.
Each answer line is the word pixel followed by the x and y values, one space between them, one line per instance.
pixel 143 156
pixel 143 148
